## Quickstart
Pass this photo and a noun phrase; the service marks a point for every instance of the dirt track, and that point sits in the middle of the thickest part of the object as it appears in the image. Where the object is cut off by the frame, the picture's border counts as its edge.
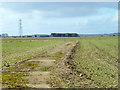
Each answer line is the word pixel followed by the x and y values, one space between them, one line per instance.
pixel 39 78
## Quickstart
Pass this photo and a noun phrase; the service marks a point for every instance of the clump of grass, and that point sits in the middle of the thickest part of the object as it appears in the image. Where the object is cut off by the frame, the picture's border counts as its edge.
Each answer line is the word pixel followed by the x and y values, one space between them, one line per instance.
pixel 44 68
pixel 68 85
pixel 57 55
pixel 14 80
pixel 57 83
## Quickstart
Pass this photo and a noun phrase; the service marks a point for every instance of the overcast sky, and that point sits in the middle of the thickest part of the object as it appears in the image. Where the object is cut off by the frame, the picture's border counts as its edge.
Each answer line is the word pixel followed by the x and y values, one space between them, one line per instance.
pixel 48 17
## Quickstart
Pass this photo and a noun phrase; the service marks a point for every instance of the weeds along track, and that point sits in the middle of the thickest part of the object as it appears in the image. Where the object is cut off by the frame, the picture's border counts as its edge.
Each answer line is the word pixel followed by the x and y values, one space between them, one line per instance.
pixel 35 72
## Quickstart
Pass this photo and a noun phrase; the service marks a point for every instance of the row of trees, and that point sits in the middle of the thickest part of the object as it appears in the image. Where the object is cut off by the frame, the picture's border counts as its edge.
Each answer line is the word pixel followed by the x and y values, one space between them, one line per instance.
pixel 64 35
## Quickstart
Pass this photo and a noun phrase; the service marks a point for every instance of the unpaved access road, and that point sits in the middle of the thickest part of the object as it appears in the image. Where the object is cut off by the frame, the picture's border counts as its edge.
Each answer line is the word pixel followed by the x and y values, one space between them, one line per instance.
pixel 40 69
pixel 37 78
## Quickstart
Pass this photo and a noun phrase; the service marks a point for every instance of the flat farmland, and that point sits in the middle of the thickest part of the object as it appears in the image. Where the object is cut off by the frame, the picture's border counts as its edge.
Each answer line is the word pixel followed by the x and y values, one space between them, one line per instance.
pixel 14 50
pixel 78 62
pixel 97 59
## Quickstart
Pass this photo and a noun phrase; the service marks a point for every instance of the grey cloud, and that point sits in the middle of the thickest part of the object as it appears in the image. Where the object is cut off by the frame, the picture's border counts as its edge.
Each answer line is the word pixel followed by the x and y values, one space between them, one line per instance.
pixel 60 9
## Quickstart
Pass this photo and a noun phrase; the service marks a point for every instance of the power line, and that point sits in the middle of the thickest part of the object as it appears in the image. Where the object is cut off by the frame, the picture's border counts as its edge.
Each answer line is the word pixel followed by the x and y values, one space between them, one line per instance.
pixel 20 27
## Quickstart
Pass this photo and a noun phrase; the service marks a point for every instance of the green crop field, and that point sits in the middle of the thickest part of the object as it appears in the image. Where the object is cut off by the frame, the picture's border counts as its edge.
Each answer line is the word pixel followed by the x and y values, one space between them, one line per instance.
pixel 13 52
pixel 95 57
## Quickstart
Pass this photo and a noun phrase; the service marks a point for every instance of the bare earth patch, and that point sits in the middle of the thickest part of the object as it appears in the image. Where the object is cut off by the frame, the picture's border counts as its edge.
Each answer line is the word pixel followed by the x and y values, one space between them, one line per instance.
pixel 41 79
pixel 40 70
pixel 37 78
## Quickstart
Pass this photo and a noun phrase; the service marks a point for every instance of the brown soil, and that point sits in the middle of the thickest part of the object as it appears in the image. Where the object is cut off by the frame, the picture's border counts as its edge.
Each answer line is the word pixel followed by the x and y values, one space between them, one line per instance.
pixel 50 77
pixel 37 78
pixel 42 79
pixel 66 73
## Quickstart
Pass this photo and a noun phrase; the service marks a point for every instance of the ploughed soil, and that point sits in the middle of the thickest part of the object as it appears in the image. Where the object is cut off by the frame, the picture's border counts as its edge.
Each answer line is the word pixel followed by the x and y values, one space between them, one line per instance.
pixel 52 69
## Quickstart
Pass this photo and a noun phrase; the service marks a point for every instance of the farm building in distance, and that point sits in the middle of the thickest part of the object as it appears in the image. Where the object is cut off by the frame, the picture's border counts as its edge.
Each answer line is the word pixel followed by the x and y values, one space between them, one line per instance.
pixel 64 35
pixel 36 35
pixel 4 35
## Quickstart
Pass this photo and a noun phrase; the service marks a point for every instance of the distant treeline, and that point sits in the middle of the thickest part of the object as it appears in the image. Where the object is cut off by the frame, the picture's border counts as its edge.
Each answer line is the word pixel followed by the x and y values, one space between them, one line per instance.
pixel 46 35
pixel 60 35
pixel 64 35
